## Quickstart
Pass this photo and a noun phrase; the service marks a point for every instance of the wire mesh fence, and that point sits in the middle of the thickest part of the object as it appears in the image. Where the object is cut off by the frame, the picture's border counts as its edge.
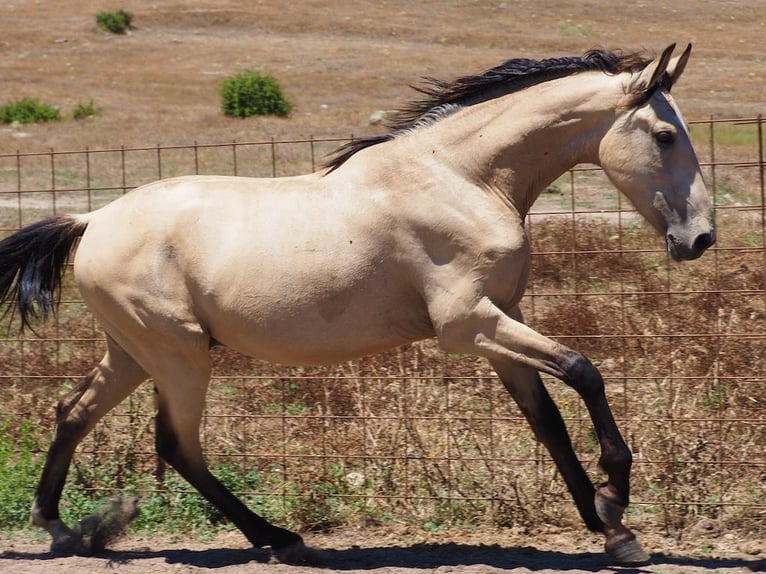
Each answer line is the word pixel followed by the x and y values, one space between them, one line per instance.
pixel 429 437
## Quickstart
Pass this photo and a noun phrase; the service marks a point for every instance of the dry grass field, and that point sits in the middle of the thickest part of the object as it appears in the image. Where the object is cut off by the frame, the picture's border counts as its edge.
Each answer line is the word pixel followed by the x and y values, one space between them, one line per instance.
pixel 338 62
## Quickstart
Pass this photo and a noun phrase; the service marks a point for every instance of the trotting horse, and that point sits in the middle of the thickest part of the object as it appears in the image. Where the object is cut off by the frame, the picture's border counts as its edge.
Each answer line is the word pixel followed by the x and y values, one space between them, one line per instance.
pixel 413 234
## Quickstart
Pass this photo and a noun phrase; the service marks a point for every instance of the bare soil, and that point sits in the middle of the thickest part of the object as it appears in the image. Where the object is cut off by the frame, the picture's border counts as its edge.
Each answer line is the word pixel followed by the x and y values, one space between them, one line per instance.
pixel 339 62
pixel 399 551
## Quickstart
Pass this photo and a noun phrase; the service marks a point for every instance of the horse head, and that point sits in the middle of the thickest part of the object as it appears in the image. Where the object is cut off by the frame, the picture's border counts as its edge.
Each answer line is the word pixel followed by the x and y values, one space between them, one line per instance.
pixel 647 153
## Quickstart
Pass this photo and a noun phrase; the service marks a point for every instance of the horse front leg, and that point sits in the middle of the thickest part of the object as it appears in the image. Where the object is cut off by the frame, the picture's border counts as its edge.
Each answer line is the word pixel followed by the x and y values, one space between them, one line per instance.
pixel 613 497
pixel 181 382
pixel 600 508
pixel 542 414
pixel 506 341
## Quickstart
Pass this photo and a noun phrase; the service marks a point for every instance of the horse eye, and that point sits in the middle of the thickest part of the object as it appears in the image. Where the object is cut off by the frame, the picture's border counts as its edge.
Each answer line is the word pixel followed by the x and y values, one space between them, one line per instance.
pixel 665 138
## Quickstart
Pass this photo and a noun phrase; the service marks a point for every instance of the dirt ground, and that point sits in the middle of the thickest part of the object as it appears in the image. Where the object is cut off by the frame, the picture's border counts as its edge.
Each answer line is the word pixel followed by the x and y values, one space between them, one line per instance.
pixel 339 62
pixel 400 551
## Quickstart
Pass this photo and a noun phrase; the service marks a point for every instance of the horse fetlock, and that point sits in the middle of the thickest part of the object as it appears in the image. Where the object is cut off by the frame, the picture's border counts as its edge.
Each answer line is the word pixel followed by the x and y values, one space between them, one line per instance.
pixel 621 543
pixel 54 526
pixel 609 507
pixel 36 516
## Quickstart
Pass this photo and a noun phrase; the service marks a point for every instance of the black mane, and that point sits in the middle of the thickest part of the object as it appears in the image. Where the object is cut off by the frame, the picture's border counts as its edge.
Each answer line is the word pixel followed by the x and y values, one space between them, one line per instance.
pixel 442 98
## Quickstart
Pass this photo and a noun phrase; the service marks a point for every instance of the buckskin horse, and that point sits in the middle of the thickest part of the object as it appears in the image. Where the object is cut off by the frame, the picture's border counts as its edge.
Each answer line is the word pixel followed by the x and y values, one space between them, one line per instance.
pixel 412 234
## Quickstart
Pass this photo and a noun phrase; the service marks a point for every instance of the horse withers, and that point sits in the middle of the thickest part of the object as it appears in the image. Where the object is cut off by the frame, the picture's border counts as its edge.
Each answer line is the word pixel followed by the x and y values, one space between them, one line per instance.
pixel 413 234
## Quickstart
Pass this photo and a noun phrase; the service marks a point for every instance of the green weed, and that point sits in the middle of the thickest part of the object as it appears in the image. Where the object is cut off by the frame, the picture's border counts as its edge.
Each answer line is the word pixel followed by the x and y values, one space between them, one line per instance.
pixel 252 94
pixel 84 111
pixel 119 22
pixel 28 111
pixel 20 466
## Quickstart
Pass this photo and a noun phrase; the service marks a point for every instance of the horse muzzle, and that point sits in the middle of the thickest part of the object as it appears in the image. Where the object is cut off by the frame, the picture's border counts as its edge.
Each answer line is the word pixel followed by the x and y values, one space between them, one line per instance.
pixel 681 249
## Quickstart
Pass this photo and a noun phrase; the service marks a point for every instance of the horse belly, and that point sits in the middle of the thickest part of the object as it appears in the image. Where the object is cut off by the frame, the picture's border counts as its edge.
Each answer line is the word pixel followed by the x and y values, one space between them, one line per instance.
pixel 322 331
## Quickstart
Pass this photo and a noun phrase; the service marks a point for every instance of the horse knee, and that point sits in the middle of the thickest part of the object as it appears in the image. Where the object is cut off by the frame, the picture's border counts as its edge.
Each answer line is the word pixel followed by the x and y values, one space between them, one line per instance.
pixel 581 375
pixel 616 460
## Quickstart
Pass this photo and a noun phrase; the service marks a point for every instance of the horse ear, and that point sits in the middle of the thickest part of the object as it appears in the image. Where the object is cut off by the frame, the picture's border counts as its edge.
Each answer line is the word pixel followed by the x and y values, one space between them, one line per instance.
pixel 655 71
pixel 677 65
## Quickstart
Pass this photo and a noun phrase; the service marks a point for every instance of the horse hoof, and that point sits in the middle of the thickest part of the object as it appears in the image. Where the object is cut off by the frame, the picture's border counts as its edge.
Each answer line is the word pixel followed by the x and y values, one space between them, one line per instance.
pixel 280 538
pixel 65 546
pixel 628 552
pixel 298 554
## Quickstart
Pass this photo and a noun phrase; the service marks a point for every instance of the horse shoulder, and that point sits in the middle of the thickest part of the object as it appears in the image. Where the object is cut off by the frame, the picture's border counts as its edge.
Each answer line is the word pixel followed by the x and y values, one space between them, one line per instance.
pixel 464 255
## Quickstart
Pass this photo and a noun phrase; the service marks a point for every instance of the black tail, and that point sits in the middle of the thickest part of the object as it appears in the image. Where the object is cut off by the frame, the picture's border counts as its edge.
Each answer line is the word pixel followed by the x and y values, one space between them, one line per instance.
pixel 32 262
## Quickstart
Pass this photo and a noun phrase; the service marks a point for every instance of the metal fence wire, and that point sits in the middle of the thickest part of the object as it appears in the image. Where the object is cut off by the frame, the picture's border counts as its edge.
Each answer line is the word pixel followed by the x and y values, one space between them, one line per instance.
pixel 430 437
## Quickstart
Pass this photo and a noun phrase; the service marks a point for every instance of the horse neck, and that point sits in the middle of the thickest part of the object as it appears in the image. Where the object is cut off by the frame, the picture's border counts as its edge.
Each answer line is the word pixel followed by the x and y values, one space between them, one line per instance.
pixel 517 145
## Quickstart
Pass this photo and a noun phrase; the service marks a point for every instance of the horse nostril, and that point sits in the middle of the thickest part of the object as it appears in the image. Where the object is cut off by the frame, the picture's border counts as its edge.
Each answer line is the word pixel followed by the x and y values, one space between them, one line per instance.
pixel 704 241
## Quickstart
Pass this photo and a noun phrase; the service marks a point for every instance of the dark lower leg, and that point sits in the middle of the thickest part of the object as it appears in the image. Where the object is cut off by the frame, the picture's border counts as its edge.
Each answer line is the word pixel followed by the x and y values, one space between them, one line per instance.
pixel 45 507
pixel 67 436
pixel 193 469
pixel 612 498
pixel 556 439
pixel 616 458
pixel 545 419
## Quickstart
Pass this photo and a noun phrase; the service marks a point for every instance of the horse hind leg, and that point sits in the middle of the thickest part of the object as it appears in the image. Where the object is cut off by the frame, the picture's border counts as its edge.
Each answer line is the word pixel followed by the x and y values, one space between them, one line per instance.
pixel 181 383
pixel 115 377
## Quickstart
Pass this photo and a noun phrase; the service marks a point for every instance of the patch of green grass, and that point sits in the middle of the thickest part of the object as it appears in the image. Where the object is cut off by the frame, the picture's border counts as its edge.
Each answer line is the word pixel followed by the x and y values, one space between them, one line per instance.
pixel 83 111
pixel 448 513
pixel 28 111
pixel 726 134
pixel 728 194
pixel 717 397
pixel 751 239
pixel 283 408
pixel 20 466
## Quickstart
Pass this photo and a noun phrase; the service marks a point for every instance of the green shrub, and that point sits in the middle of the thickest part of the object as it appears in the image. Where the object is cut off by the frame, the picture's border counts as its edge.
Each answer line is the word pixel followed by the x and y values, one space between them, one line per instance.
pixel 28 111
pixel 84 110
pixel 114 22
pixel 252 94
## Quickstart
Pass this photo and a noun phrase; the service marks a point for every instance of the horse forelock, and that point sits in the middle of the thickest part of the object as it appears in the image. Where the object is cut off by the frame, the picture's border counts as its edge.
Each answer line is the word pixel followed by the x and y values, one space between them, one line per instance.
pixel 441 99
